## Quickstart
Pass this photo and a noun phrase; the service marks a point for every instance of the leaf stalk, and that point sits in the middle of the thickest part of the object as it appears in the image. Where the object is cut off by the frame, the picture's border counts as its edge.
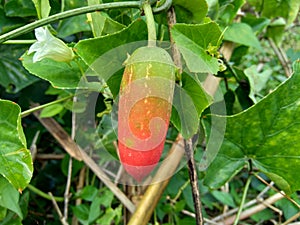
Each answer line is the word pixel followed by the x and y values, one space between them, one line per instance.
pixel 243 200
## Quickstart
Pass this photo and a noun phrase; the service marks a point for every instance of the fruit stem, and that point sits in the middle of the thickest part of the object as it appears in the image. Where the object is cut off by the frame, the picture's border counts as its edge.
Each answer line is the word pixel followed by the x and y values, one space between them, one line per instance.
pixel 150 24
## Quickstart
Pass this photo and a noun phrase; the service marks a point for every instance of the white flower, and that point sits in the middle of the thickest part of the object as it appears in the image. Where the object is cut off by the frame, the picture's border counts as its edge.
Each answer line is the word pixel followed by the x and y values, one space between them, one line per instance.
pixel 48 46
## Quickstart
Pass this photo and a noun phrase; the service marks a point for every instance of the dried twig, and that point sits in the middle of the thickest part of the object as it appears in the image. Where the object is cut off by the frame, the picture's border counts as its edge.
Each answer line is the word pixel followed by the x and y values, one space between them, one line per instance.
pixel 189 151
pixel 281 57
pixel 50 156
pixel 33 148
pixel 294 217
pixel 191 214
pixel 175 51
pixel 61 136
pixel 61 217
pixel 255 209
pixel 259 198
pixel 80 185
pixel 69 177
pixel 67 190
pixel 73 149
pixel 275 189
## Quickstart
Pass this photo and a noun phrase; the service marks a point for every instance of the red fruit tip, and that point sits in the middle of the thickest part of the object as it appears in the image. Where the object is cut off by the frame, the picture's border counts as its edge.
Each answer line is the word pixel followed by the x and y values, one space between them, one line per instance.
pixel 139 172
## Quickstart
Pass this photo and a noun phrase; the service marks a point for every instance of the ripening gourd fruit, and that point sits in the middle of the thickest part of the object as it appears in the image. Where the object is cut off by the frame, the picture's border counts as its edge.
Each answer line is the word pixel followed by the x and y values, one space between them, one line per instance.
pixel 145 105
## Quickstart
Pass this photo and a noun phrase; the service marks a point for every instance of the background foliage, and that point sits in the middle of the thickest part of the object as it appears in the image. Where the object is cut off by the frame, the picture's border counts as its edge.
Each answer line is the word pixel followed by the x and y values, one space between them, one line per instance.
pixel 250 45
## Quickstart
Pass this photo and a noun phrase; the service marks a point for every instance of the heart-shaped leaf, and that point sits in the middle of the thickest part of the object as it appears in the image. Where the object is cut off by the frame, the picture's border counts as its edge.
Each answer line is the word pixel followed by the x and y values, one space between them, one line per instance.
pixel 197 43
pixel 59 74
pixel 15 159
pixel 265 135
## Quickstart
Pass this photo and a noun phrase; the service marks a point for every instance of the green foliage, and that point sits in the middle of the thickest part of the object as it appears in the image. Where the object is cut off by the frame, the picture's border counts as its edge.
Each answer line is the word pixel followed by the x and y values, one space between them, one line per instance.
pixel 194 46
pixel 241 33
pixel 189 102
pixel 190 11
pixel 258 136
pixel 9 198
pixel 257 80
pixel 15 158
pixel 12 8
pixel 14 77
pixel 257 132
pixel 59 74
pixel 91 212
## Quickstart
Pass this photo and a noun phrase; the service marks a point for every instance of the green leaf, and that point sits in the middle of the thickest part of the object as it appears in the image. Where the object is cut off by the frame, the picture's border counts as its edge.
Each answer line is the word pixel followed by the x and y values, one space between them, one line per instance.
pixel 187 221
pixel 59 74
pixel 190 11
pixel 203 35
pixel 3 212
pixel 289 208
pixel 15 159
pixel 94 211
pixel 11 219
pixel 184 114
pixel 257 24
pixel 82 213
pixel 241 33
pixel 9 197
pixel 228 10
pixel 72 25
pixel 96 20
pixel 264 215
pixel 42 8
pixel 257 80
pixel 106 54
pixel 276 30
pixel 76 166
pixel 7 24
pixel 111 26
pixel 106 198
pixel 213 9
pixel 188 103
pixel 51 110
pixel 101 23
pixel 267 135
pixel 19 8
pixel 192 86
pixel 107 134
pixel 88 193
pixel 91 49
pixel 14 77
pixel 108 217
pixel 224 198
pixel 287 9
pixel 194 41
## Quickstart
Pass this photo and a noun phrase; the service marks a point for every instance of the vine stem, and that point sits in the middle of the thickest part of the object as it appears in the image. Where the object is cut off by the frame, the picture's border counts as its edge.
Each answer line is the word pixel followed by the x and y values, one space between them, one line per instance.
pixel 43 194
pixel 29 111
pixel 150 24
pixel 243 200
pixel 63 15
pixel 17 42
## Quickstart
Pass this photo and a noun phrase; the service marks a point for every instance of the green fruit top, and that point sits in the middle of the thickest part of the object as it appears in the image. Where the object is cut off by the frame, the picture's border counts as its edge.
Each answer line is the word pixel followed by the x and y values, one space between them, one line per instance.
pixel 150 54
